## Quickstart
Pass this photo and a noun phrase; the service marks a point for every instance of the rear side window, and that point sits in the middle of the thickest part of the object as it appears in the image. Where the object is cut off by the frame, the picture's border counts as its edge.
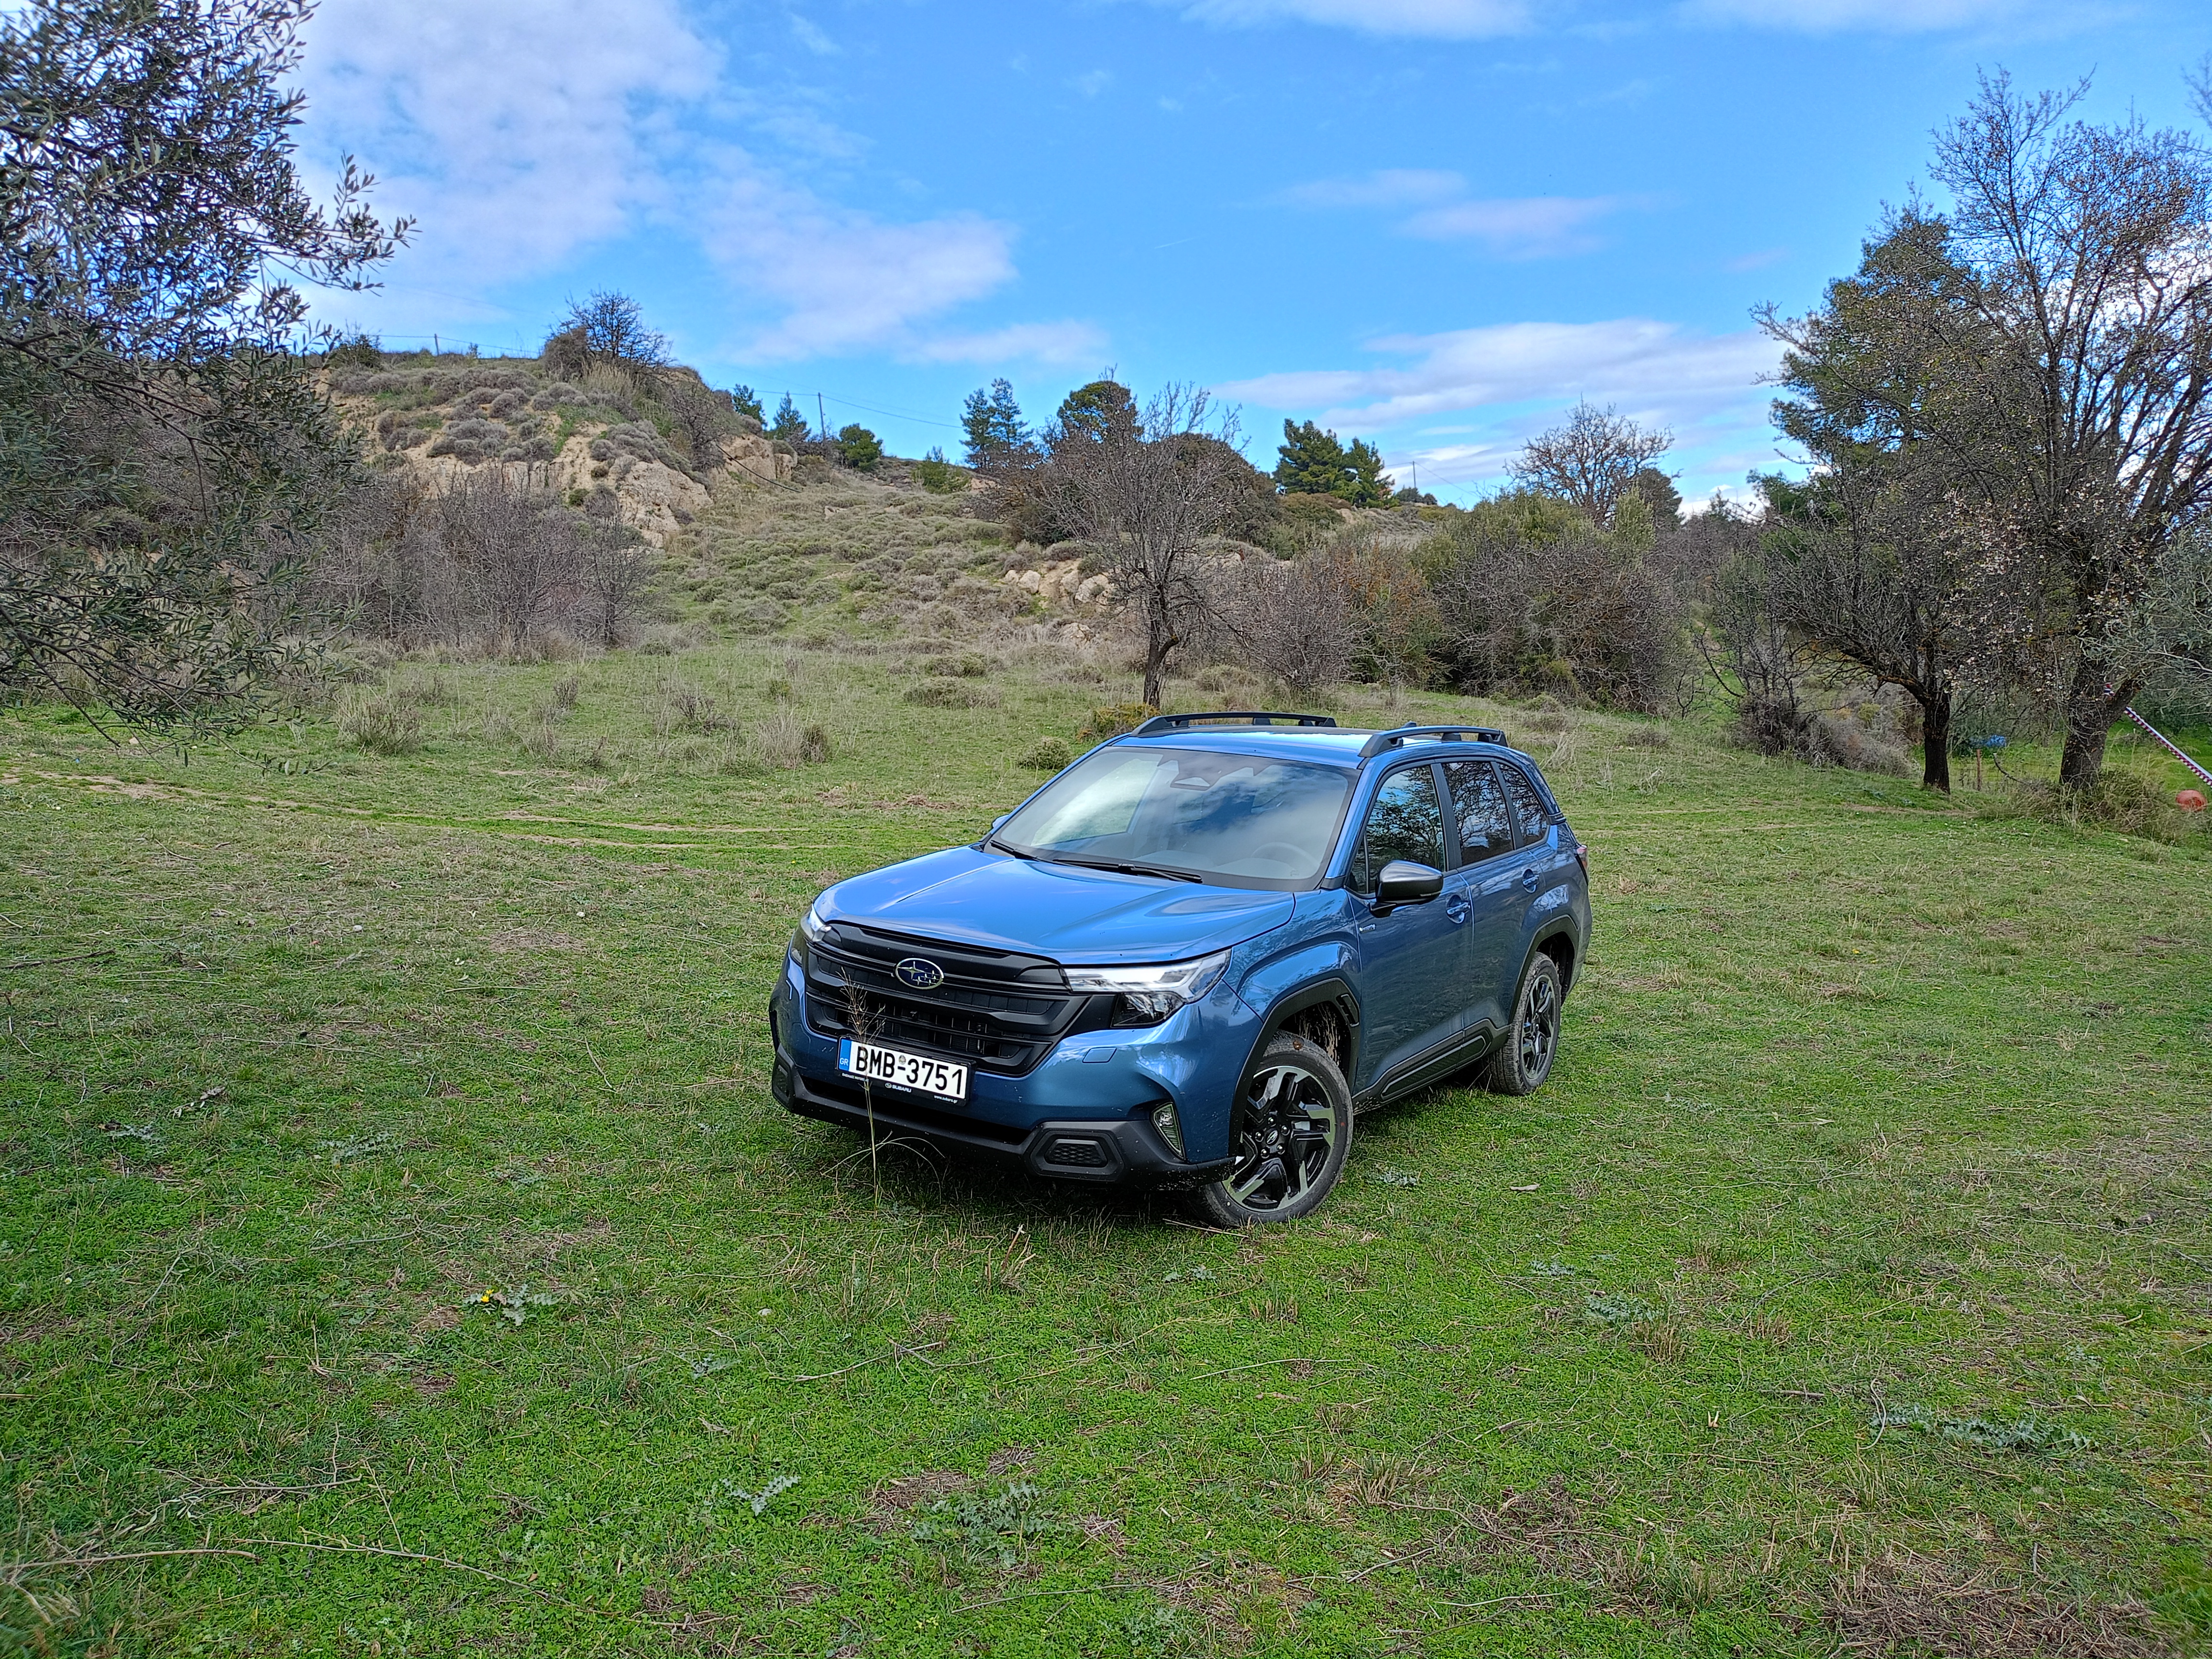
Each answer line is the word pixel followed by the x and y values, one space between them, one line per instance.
pixel 1527 805
pixel 1406 822
pixel 1479 803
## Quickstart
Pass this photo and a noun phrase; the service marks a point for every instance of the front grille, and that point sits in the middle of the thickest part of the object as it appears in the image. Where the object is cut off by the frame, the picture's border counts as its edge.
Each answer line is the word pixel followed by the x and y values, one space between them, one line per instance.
pixel 997 1011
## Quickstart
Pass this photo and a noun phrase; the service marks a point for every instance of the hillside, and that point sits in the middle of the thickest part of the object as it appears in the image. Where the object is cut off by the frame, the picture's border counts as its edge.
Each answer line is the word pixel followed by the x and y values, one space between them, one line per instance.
pixel 661 453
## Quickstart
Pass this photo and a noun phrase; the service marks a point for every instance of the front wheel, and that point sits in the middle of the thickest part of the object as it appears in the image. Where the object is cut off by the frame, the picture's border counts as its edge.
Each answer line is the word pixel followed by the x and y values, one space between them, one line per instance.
pixel 1293 1132
pixel 1524 1060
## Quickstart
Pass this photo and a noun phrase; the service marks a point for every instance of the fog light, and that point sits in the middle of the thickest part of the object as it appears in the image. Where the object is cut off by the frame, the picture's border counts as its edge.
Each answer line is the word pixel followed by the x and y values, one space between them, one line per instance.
pixel 1171 1128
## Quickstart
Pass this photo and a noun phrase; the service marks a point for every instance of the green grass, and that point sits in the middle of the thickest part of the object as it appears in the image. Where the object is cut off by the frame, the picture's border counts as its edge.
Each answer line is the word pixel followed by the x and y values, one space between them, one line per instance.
pixel 1848 1282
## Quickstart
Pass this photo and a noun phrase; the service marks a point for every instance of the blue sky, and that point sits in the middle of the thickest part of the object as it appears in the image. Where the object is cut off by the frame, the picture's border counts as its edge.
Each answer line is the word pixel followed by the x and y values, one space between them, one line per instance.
pixel 1434 223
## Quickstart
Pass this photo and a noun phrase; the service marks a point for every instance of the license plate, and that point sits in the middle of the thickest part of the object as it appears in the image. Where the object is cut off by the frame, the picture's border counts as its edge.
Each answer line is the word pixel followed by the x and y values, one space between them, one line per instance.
pixel 901 1070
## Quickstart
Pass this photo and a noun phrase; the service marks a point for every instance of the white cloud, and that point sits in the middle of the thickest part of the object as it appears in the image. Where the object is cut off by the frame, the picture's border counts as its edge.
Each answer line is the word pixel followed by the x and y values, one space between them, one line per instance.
pixel 1441 20
pixel 1038 342
pixel 812 37
pixel 1517 228
pixel 1095 83
pixel 1653 369
pixel 1516 378
pixel 847 280
pixel 1390 187
pixel 1882 17
pixel 521 132
pixel 515 130
pixel 1520 228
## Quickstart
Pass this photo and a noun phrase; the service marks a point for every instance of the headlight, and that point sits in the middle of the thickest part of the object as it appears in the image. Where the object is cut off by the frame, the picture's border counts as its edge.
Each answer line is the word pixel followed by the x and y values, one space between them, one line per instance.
pixel 811 927
pixel 1148 995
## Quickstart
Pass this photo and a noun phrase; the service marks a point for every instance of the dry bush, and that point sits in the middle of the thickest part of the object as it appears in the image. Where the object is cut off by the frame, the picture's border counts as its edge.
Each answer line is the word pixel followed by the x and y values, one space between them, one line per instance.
pixel 1646 737
pixel 1573 612
pixel 934 693
pixel 781 740
pixel 1047 755
pixel 684 707
pixel 1295 620
pixel 1111 720
pixel 384 722
pixel 2118 801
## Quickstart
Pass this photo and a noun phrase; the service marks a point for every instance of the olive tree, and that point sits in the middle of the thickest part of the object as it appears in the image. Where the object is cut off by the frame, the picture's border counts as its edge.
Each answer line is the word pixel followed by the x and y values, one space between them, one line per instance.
pixel 168 463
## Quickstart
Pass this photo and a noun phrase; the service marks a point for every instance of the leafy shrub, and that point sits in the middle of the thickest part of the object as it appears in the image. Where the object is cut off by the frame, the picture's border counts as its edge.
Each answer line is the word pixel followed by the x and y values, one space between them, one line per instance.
pixel 858 448
pixel 357 350
pixel 1047 755
pixel 384 722
pixel 939 476
pixel 1113 720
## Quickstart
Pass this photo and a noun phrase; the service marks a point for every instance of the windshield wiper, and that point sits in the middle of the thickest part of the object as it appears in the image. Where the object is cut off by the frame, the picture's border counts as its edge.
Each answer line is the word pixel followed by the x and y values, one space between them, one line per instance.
pixel 1130 869
pixel 1008 848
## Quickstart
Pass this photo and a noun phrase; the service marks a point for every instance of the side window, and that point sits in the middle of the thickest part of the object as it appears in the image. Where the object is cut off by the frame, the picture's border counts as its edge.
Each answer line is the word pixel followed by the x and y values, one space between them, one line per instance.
pixel 1406 822
pixel 1479 803
pixel 1527 805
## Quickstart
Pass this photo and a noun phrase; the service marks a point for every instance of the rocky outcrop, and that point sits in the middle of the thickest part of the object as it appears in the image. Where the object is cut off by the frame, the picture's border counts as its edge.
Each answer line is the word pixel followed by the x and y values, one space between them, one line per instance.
pixel 490 419
pixel 1061 582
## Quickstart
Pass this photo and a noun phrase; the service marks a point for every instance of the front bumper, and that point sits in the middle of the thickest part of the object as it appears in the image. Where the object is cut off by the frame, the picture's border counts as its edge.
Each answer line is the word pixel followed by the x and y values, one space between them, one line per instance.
pixel 1084 1113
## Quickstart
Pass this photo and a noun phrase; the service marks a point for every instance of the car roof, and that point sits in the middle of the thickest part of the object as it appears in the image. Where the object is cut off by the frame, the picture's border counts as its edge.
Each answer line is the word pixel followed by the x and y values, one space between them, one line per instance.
pixel 1327 745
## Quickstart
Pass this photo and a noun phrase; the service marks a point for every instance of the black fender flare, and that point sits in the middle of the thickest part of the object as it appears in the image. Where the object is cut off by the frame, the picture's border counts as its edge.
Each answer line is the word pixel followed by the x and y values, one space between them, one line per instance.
pixel 1560 928
pixel 1331 988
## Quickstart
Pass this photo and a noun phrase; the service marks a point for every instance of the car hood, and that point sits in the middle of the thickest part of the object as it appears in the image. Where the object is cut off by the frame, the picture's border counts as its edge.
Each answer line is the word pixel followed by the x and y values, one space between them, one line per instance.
pixel 1058 910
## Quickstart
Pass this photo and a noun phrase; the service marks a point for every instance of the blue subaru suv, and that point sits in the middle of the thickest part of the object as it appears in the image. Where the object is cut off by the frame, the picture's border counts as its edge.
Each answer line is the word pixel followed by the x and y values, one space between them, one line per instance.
pixel 1190 958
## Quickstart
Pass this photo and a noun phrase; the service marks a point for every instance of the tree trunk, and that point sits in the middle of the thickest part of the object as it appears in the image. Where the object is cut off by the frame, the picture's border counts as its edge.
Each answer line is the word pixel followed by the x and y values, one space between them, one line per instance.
pixel 2091 707
pixel 1162 641
pixel 1935 740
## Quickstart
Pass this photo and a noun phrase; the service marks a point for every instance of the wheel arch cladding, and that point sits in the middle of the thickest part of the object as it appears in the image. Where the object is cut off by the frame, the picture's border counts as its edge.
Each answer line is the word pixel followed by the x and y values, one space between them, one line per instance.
pixel 1559 944
pixel 1324 1012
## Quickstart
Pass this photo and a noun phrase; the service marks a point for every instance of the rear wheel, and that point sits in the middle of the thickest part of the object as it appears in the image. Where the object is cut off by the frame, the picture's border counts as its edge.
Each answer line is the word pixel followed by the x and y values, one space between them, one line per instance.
pixel 1524 1060
pixel 1293 1132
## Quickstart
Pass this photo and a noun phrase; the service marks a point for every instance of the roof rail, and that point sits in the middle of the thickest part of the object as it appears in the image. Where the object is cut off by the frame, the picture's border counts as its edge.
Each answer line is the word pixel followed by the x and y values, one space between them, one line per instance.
pixel 1159 723
pixel 1409 732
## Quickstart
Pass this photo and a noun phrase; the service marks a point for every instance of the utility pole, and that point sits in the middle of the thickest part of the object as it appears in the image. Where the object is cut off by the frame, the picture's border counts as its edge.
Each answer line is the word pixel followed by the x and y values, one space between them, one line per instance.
pixel 824 414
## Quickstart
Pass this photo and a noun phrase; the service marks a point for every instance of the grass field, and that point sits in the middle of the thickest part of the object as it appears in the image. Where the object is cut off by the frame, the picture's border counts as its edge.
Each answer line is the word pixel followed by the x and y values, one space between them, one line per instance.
pixel 1851 1283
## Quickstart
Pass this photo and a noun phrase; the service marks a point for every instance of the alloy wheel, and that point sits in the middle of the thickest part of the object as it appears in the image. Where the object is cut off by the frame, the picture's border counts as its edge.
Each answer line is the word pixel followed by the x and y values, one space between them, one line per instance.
pixel 1288 1135
pixel 1539 1027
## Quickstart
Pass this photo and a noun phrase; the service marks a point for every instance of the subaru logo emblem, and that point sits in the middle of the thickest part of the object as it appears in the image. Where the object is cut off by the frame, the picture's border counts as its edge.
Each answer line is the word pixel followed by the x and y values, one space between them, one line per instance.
pixel 919 973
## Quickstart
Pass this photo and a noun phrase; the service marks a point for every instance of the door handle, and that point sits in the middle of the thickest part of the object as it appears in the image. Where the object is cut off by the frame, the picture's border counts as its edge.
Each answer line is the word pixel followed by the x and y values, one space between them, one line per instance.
pixel 1529 878
pixel 1455 906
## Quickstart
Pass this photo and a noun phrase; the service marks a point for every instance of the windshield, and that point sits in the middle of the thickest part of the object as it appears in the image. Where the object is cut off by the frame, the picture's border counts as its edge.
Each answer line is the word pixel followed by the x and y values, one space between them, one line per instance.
pixel 1237 820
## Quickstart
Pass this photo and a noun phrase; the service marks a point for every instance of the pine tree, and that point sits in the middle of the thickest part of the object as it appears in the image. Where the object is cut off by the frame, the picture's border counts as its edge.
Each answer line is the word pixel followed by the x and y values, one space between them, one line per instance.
pixel 992 422
pixel 1093 410
pixel 859 447
pixel 747 402
pixel 1362 484
pixel 790 425
pixel 1313 462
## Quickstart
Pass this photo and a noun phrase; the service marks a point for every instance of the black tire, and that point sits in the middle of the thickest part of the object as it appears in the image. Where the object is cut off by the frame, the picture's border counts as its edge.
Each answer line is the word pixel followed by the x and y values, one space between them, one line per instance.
pixel 1292 1134
pixel 1524 1060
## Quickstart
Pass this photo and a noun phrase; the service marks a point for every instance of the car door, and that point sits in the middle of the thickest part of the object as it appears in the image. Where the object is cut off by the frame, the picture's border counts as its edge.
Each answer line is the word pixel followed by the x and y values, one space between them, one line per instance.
pixel 1409 959
pixel 1535 853
pixel 1489 885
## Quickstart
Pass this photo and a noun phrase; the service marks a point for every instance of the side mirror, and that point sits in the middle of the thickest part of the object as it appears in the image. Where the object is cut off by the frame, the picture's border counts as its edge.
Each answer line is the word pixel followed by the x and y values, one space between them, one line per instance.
pixel 999 821
pixel 1404 882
